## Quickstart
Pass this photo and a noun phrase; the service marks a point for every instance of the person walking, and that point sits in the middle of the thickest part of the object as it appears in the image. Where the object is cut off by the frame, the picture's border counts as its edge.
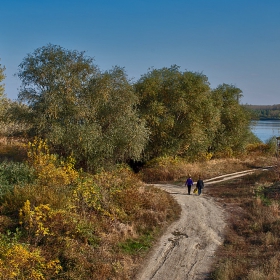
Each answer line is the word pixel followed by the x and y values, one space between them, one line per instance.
pixel 199 185
pixel 189 183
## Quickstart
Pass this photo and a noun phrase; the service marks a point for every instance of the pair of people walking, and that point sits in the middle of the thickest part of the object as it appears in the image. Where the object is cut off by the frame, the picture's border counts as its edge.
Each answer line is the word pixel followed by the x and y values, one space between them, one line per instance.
pixel 199 185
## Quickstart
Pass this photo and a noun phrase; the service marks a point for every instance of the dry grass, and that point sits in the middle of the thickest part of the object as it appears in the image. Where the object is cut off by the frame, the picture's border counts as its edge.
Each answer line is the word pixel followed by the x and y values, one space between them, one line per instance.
pixel 252 240
pixel 12 149
pixel 175 170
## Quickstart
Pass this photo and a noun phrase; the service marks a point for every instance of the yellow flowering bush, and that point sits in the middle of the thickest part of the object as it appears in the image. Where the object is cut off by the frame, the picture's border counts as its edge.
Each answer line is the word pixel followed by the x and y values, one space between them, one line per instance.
pixel 87 196
pixel 20 261
pixel 35 221
pixel 100 193
pixel 51 171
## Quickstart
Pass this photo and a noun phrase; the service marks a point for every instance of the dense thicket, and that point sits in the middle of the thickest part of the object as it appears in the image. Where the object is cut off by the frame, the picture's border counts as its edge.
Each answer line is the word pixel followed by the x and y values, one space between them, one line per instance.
pixel 102 118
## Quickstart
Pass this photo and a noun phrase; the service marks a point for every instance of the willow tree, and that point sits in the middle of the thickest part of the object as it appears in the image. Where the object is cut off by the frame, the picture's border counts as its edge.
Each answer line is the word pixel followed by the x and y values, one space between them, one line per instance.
pixel 179 112
pixel 234 129
pixel 80 110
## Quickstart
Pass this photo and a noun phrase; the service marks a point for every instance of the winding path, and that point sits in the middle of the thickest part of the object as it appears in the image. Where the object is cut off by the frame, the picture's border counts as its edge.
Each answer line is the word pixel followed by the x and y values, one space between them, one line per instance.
pixel 186 250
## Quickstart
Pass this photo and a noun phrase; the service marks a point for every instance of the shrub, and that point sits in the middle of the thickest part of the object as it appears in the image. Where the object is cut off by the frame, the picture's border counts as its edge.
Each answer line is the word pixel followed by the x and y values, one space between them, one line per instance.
pixel 92 224
pixel 14 173
pixel 21 261
pixel 50 169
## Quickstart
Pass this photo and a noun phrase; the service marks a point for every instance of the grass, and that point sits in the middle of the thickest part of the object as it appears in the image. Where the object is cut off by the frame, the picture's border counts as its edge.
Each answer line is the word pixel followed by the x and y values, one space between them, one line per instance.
pixel 252 239
pixel 170 169
pixel 134 246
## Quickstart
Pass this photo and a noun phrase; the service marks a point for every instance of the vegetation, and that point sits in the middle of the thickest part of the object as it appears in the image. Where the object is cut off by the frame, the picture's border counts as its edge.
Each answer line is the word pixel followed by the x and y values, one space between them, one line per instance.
pixel 251 245
pixel 179 111
pixel 265 112
pixel 102 119
pixel 82 112
pixel 70 206
pixel 60 223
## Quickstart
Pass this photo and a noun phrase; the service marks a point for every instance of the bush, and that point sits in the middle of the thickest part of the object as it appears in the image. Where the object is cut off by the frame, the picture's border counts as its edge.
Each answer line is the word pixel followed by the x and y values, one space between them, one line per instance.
pixel 76 225
pixel 14 173
pixel 20 261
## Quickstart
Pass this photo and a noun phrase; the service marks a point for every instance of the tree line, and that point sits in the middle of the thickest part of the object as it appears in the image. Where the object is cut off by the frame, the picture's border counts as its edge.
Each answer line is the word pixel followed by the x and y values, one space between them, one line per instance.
pixel 104 118
pixel 264 112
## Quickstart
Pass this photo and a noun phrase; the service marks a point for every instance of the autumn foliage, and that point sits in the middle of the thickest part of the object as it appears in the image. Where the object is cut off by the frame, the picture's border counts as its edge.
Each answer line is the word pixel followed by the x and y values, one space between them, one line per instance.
pixel 68 224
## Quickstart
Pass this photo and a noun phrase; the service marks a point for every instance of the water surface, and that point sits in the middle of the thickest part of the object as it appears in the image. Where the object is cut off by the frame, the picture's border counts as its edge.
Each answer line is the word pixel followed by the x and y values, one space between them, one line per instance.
pixel 265 129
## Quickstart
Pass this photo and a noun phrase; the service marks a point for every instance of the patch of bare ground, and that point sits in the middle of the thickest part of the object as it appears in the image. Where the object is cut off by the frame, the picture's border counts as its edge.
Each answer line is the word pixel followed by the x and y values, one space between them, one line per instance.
pixel 186 249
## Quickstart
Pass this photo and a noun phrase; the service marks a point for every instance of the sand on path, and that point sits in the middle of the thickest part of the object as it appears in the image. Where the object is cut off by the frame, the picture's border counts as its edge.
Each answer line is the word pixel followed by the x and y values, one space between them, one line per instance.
pixel 187 249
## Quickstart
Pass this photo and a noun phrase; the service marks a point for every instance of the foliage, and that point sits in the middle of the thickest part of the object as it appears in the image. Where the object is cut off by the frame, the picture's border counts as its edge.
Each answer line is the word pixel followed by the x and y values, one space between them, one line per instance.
pixel 82 112
pixel 14 173
pixel 3 99
pixel 70 224
pixel 14 121
pixel 20 261
pixel 234 129
pixel 178 108
pixel 2 77
pixel 101 119
pixel 163 169
pixel 51 170
pixel 123 132
pixel 263 112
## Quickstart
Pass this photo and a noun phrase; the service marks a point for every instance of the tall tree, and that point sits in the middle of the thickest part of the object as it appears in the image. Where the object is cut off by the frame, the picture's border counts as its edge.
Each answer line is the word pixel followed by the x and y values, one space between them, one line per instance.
pixel 234 128
pixel 111 96
pixel 52 81
pixel 178 109
pixel 80 110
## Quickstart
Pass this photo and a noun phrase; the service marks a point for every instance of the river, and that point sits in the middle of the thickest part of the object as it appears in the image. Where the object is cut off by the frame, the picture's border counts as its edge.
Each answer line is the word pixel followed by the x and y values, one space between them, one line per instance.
pixel 265 129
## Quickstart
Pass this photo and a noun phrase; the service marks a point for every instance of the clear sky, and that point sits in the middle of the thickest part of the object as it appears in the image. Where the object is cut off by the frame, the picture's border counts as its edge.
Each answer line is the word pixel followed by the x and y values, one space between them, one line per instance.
pixel 230 41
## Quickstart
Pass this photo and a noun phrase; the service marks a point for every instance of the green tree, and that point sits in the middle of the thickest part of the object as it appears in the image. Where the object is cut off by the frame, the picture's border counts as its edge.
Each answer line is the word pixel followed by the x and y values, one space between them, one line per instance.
pixel 234 128
pixel 112 98
pixel 178 109
pixel 80 110
pixel 52 81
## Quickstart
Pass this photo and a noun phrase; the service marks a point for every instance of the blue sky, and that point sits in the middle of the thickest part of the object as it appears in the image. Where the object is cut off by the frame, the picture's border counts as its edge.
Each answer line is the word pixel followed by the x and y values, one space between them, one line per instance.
pixel 234 42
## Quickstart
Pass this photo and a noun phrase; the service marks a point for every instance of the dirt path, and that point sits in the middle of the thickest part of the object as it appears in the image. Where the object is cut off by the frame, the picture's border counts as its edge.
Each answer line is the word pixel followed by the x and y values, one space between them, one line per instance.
pixel 186 250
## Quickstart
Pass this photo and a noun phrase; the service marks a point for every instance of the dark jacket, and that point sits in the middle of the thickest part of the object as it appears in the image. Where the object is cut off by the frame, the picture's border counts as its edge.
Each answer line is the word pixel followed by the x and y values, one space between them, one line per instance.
pixel 200 184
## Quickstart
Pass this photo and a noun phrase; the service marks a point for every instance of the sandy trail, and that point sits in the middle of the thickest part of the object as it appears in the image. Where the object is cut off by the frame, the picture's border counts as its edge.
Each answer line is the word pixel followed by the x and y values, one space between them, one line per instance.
pixel 186 250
